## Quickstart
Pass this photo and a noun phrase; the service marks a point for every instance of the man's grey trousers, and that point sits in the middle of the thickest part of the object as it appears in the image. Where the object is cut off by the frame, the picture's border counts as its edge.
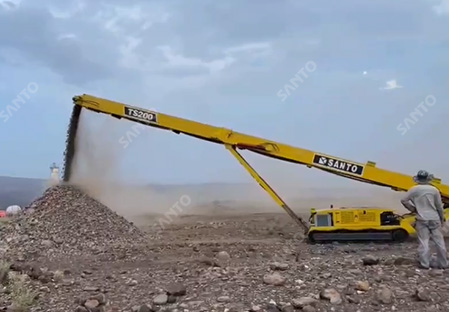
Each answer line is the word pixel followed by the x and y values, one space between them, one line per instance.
pixel 431 230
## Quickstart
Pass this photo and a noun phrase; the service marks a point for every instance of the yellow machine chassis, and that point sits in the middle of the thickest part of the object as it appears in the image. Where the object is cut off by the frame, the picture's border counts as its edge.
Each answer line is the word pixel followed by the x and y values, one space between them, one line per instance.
pixel 367 173
pixel 359 224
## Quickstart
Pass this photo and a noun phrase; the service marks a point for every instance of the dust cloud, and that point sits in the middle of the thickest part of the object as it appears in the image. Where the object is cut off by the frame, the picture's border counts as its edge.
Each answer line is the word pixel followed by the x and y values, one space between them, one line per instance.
pixel 96 169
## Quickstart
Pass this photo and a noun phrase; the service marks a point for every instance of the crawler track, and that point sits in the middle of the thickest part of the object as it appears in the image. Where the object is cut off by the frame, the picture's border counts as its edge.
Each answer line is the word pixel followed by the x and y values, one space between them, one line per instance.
pixel 364 236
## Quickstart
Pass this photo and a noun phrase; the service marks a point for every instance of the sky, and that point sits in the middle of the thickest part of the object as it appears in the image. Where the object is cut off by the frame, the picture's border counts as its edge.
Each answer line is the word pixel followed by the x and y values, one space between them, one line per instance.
pixel 358 79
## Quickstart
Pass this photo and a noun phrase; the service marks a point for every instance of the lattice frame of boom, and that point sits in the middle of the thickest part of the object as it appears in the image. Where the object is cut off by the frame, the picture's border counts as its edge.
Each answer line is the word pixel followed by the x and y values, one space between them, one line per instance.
pixel 367 173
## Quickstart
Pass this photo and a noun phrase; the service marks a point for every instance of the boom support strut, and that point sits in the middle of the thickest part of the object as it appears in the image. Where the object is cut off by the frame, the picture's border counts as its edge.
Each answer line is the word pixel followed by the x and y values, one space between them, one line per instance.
pixel 267 188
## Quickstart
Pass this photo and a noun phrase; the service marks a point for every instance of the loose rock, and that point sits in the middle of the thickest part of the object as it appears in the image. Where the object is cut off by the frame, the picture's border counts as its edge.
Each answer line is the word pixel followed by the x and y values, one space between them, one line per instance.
pixel 160 299
pixel 176 289
pixel 275 279
pixel 370 260
pixel 362 285
pixel 384 295
pixel 422 295
pixel 303 301
pixel 279 266
pixel 332 295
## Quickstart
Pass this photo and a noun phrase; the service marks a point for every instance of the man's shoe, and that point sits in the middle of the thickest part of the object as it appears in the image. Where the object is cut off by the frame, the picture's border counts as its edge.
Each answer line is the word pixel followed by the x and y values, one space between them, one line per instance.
pixel 438 267
pixel 423 267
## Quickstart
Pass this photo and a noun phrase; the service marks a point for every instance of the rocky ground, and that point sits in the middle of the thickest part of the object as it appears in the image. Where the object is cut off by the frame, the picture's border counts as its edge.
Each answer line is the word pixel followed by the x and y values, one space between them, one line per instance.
pixel 74 254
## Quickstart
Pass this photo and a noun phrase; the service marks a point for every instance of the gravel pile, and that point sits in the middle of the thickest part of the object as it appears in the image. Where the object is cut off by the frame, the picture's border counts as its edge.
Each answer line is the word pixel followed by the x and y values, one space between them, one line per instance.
pixel 67 221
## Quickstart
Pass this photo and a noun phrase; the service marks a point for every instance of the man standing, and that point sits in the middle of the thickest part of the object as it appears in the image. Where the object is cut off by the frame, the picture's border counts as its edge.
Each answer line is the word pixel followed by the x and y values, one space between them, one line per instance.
pixel 424 199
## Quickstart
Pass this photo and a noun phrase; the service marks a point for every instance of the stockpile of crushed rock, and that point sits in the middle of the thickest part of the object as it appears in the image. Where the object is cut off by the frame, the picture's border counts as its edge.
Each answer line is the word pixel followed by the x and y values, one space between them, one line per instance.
pixel 67 221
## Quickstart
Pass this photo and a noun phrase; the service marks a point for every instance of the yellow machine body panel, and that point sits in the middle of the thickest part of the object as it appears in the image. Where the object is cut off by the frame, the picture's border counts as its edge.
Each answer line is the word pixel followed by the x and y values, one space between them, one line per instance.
pixel 360 216
pixel 343 219
pixel 350 221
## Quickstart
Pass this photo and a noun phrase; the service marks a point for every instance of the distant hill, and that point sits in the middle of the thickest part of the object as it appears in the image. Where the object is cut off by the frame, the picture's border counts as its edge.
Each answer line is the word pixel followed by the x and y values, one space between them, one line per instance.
pixel 19 191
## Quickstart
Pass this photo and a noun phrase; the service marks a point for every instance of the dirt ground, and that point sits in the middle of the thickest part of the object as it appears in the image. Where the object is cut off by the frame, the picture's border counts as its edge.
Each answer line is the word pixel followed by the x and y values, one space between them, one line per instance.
pixel 252 262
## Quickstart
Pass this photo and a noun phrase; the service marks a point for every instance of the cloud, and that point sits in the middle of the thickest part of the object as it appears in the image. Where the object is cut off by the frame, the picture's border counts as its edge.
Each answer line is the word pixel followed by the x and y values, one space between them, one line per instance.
pixel 129 59
pixel 70 9
pixel 180 61
pixel 118 19
pixel 391 85
pixel 164 38
pixel 89 42
pixel 249 48
pixel 9 5
pixel 67 37
pixel 442 8
pixel 33 34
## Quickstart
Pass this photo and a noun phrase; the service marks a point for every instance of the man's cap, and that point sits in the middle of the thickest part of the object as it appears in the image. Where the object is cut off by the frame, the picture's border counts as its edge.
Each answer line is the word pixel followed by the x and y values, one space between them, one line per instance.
pixel 423 177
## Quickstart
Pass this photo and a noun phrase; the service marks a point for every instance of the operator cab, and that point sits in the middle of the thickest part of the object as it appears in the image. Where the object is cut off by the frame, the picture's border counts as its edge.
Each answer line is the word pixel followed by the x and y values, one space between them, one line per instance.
pixel 389 218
